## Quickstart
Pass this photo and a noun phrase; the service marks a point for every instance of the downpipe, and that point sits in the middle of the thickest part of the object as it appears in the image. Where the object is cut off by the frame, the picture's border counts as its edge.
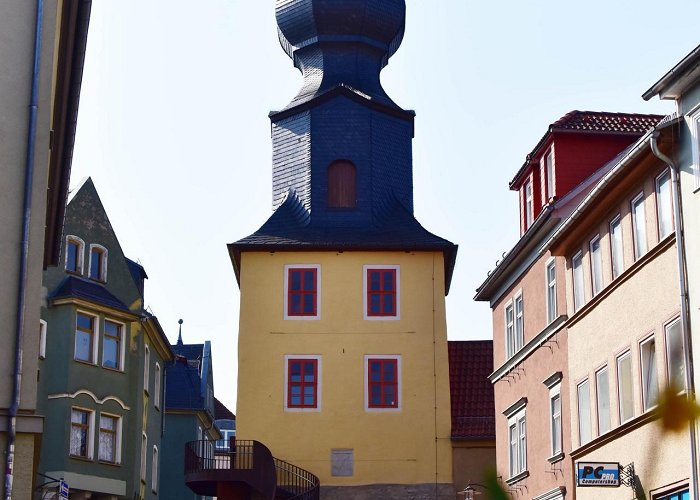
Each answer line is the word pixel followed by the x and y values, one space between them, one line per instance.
pixel 24 255
pixel 685 318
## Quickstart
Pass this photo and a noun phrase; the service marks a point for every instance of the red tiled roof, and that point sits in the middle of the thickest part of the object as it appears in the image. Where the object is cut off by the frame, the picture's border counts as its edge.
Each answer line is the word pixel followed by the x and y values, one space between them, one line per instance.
pixel 221 412
pixel 471 392
pixel 595 121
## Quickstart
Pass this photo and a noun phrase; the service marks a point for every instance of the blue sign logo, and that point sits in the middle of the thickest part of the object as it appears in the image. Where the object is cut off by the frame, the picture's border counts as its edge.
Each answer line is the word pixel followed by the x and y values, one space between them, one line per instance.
pixel 63 490
pixel 597 474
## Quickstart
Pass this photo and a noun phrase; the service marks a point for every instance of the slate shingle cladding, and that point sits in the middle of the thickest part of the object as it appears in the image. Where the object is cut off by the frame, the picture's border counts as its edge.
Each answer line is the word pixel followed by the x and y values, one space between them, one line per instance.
pixel 342 113
pixel 73 286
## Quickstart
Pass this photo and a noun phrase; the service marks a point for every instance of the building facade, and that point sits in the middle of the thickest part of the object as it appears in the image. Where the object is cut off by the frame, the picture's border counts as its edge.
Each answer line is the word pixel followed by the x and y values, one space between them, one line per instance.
pixel 42 59
pixel 101 365
pixel 625 338
pixel 189 415
pixel 527 295
pixel 343 363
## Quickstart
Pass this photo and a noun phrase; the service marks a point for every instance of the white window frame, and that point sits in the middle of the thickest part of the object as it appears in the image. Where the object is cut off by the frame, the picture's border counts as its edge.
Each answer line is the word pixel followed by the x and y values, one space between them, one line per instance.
pixel 650 393
pixel 154 470
pixel 639 227
pixel 555 393
pixel 596 257
pixel 529 204
pixel 549 167
pixel 617 252
pixel 550 282
pixel 577 282
pixel 156 386
pixel 399 386
pixel 517 449
pixel 118 438
pixel 519 321
pixel 584 419
pixel 146 368
pixel 368 267
pixel 694 126
pixel 599 399
pixel 80 256
pixel 673 357
pixel 317 316
pixel 620 405
pixel 664 205
pixel 122 342
pixel 144 456
pixel 510 329
pixel 90 432
pixel 103 257
pixel 43 326
pixel 95 340
pixel 319 383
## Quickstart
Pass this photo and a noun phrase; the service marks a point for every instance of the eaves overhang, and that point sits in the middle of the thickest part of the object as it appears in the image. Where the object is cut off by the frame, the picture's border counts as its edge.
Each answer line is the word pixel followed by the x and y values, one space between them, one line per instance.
pixel 675 82
pixel 522 249
pixel 160 340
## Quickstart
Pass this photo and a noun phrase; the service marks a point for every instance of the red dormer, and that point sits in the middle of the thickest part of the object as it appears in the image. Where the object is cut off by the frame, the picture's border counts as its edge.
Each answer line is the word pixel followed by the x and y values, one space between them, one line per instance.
pixel 574 147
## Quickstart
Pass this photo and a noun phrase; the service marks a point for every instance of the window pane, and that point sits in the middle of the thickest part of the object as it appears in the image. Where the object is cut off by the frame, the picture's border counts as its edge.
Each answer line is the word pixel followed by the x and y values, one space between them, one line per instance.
pixel 519 323
pixel 577 264
pixel 551 292
pixel 650 385
pixel 616 247
pixel 309 280
pixel 108 438
pixel 510 332
pixel 596 265
pixel 674 355
pixel 603 401
pixel 639 227
pixel 664 207
pixel 72 256
pixel 624 387
pixel 388 280
pixel 83 346
pixel 584 413
pixel 550 174
pixel 79 433
pixel 513 450
pixel 295 280
pixel 111 345
pixel 95 264
pixel 528 205
pixel 555 403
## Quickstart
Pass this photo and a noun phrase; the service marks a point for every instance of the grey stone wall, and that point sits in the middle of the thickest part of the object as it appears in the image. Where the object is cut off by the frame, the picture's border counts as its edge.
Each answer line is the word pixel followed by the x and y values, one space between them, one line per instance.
pixel 389 491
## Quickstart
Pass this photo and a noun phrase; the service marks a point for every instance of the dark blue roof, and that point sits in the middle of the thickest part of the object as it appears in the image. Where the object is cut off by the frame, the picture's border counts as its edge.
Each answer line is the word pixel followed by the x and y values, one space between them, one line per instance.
pixel 182 390
pixel 291 228
pixel 138 273
pixel 190 351
pixel 73 286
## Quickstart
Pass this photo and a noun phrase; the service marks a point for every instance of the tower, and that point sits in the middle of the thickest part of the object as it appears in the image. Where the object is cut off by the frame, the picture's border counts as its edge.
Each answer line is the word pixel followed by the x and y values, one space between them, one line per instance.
pixel 343 366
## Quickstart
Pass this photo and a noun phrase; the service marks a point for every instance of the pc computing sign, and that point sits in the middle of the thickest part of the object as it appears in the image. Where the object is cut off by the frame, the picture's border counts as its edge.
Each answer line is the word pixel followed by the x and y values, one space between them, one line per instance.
pixel 597 474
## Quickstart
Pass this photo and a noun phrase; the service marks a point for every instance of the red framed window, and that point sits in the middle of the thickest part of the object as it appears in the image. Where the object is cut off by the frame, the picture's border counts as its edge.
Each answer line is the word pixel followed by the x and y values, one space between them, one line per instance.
pixel 381 292
pixel 383 383
pixel 302 383
pixel 302 292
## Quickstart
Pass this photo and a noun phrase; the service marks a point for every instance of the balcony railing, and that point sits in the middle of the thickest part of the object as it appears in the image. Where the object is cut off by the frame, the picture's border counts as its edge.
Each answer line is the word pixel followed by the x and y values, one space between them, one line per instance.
pixel 249 463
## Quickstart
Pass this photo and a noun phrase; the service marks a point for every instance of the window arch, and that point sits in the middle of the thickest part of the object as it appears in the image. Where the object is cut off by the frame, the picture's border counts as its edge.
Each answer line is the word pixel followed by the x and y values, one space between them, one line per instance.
pixel 74 250
pixel 342 192
pixel 97 269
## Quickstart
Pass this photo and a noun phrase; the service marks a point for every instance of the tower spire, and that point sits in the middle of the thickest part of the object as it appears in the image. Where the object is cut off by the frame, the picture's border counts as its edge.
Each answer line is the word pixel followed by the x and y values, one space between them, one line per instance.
pixel 179 335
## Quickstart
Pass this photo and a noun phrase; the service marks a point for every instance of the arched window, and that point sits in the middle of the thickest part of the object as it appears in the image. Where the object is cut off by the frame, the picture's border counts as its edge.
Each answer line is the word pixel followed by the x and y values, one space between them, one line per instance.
pixel 341 185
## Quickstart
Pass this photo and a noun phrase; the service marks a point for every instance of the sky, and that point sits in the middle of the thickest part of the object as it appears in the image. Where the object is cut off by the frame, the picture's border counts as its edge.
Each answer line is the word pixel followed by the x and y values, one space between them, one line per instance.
pixel 173 128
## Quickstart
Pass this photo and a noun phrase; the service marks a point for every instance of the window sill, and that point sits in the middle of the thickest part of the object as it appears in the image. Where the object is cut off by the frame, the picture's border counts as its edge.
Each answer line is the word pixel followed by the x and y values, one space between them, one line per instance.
pixel 75 273
pixel 117 370
pixel 517 478
pixel 106 462
pixel 556 458
pixel 82 459
pixel 84 362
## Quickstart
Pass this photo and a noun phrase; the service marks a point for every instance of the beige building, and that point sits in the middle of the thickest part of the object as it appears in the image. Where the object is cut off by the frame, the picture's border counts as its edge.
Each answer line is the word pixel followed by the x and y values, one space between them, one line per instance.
pixel 42 57
pixel 624 337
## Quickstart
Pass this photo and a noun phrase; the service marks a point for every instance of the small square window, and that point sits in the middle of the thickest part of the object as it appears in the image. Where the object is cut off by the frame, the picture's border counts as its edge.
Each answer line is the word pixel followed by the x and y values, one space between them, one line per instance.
pixel 382 383
pixel 302 383
pixel 382 292
pixel 302 292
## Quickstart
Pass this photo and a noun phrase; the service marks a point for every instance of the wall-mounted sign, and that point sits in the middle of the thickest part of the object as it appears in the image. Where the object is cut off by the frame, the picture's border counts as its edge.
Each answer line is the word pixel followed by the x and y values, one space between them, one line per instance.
pixel 597 474
pixel 63 490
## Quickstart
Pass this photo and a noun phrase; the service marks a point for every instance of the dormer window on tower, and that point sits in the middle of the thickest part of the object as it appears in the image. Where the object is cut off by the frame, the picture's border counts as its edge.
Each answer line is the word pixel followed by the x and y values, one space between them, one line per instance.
pixel 74 254
pixel 98 262
pixel 342 192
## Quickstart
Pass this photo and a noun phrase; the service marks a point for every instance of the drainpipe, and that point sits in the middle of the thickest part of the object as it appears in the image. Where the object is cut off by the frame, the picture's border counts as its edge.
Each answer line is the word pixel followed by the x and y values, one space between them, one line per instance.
pixel 685 318
pixel 24 255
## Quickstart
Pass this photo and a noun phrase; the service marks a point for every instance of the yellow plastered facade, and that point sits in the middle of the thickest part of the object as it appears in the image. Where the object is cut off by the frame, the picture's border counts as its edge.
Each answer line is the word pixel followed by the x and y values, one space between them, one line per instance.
pixel 408 446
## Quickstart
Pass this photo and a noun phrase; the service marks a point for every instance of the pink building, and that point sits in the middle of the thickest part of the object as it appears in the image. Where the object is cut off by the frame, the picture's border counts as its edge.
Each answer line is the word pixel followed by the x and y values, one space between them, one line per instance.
pixel 528 298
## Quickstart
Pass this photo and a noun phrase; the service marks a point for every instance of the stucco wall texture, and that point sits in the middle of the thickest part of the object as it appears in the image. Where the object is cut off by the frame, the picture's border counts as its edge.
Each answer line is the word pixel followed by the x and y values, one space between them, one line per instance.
pixel 526 380
pixel 411 446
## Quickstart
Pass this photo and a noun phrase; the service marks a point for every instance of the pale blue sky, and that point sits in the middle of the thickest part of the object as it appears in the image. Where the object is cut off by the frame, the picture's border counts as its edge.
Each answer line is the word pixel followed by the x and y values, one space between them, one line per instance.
pixel 173 128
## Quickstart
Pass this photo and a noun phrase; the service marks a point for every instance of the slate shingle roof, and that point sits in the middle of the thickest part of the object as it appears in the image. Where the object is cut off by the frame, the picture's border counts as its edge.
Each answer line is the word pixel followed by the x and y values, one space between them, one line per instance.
pixel 183 388
pixel 290 228
pixel 221 412
pixel 471 392
pixel 73 286
pixel 192 352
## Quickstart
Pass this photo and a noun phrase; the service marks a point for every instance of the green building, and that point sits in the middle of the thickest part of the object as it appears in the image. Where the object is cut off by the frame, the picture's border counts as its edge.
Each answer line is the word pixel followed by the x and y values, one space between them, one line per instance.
pixel 102 365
